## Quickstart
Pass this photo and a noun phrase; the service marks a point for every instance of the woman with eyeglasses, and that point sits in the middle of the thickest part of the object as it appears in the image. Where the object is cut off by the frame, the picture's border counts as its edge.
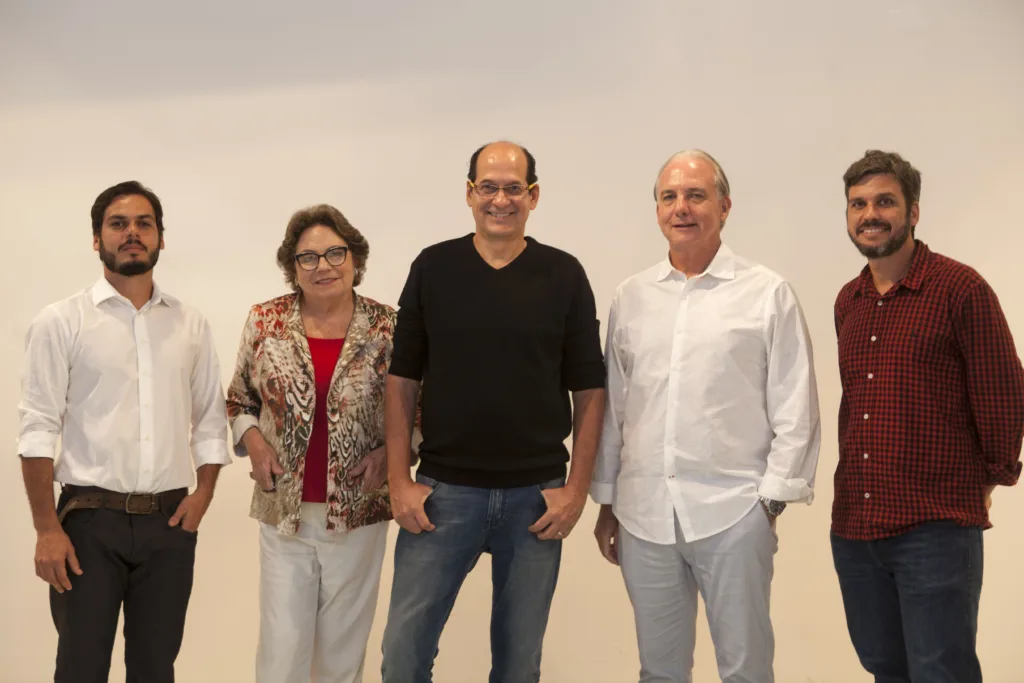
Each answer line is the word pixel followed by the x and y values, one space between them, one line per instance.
pixel 306 405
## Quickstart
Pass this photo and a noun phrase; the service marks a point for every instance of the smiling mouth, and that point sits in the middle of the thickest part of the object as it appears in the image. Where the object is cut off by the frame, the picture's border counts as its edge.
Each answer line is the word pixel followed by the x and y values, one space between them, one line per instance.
pixel 872 230
pixel 499 214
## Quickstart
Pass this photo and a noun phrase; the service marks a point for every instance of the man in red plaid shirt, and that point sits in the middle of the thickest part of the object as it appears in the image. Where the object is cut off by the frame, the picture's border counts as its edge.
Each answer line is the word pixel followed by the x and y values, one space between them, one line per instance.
pixel 930 422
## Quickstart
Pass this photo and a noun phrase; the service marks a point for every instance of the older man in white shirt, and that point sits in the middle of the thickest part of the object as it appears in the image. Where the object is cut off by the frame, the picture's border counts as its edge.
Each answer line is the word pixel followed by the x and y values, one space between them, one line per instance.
pixel 126 379
pixel 711 427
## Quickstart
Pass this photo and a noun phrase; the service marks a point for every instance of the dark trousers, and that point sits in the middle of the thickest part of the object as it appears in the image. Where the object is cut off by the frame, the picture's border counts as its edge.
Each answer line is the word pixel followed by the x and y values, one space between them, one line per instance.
pixel 137 561
pixel 912 602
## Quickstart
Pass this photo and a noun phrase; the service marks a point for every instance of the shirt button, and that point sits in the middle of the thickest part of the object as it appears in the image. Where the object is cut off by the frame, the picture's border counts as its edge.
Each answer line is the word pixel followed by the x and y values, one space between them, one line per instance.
pixel 865 416
pixel 865 456
pixel 867 495
pixel 671 476
pixel 873 337
pixel 871 375
pixel 879 303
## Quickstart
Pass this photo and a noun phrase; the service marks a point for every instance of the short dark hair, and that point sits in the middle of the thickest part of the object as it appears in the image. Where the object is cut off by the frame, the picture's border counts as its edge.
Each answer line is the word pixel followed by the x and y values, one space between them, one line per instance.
pixel 127 188
pixel 531 164
pixel 328 216
pixel 876 162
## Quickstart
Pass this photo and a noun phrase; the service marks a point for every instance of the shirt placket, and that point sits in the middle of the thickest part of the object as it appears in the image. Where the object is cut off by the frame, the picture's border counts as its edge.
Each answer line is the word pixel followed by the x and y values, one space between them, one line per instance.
pixel 144 360
pixel 872 395
pixel 675 376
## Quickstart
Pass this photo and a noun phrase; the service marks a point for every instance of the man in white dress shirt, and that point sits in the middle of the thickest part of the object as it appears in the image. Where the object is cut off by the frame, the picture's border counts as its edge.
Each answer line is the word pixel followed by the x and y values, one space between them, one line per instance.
pixel 711 427
pixel 127 379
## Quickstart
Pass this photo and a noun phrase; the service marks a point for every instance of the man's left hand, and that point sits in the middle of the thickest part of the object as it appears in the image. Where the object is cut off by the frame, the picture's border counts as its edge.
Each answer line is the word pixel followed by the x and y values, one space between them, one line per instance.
pixel 565 506
pixel 191 510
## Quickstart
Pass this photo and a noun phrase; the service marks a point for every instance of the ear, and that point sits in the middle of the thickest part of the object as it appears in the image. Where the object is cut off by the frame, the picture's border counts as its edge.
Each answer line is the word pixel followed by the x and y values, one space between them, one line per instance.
pixel 726 208
pixel 469 194
pixel 162 242
pixel 915 214
pixel 534 196
pixel 95 242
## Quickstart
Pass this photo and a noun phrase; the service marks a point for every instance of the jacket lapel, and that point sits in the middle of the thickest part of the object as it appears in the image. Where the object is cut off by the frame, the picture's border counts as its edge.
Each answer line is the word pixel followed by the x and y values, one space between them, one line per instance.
pixel 355 338
pixel 298 332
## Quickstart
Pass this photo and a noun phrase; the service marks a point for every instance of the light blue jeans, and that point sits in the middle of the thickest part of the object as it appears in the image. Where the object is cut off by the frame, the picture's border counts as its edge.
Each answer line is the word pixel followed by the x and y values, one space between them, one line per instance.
pixel 431 566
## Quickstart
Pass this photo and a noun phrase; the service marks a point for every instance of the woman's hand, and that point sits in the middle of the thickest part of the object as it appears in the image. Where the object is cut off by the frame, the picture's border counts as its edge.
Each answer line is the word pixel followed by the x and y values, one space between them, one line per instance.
pixel 373 469
pixel 265 465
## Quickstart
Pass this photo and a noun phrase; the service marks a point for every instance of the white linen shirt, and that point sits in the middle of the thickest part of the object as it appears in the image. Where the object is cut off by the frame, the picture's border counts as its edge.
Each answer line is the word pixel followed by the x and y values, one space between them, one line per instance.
pixel 712 399
pixel 121 388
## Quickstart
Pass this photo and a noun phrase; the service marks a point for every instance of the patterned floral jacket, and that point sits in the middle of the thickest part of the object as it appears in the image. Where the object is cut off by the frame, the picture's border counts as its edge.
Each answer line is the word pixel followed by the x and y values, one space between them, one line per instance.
pixel 274 389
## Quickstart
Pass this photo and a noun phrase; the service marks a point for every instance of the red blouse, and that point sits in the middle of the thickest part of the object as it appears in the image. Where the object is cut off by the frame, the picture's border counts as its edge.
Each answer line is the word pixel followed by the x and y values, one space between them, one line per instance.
pixel 325 353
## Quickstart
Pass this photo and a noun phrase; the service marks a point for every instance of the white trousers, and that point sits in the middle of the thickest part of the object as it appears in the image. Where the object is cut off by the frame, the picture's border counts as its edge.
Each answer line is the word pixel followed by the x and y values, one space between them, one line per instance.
pixel 318 594
pixel 732 570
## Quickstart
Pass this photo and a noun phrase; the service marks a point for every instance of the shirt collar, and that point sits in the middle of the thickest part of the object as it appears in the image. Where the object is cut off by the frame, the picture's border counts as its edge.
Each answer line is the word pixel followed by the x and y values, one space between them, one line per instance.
pixel 915 274
pixel 103 291
pixel 722 266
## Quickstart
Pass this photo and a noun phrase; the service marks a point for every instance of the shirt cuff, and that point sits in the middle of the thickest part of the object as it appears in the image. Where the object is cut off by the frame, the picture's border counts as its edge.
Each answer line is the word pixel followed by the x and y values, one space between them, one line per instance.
pixel 601 493
pixel 211 452
pixel 1004 476
pixel 239 426
pixel 786 490
pixel 37 445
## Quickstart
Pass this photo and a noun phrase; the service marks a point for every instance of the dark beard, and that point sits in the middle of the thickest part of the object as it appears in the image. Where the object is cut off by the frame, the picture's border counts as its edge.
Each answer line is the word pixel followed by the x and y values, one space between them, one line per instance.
pixel 897 238
pixel 128 268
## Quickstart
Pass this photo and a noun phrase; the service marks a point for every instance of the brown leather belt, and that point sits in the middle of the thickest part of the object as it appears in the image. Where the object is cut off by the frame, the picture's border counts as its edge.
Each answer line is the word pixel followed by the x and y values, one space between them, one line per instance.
pixel 92 497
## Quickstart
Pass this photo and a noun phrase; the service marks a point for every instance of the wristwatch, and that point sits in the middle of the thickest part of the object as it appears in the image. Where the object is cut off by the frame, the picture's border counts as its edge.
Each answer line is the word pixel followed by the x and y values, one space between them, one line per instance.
pixel 774 507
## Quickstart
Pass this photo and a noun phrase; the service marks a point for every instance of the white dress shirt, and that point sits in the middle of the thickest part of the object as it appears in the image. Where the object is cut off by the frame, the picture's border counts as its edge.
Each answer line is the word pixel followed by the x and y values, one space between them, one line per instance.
pixel 712 399
pixel 121 388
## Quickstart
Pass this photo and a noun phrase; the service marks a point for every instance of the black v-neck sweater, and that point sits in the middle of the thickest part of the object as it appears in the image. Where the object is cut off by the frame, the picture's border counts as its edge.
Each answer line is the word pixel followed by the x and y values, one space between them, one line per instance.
pixel 498 351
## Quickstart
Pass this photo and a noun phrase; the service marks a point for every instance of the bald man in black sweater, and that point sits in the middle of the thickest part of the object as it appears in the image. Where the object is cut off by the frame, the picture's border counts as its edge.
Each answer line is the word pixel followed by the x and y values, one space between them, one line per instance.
pixel 500 330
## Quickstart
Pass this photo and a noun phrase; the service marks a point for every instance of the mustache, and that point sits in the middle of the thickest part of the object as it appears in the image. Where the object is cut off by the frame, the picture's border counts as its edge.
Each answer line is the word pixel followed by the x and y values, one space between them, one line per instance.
pixel 133 243
pixel 873 224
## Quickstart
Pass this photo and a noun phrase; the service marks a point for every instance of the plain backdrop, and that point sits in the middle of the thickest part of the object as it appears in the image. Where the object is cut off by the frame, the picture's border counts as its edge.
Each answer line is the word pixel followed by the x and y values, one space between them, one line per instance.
pixel 239 113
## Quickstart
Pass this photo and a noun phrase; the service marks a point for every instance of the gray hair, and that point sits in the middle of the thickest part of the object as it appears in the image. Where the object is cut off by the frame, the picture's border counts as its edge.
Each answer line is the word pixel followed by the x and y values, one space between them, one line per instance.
pixel 721 182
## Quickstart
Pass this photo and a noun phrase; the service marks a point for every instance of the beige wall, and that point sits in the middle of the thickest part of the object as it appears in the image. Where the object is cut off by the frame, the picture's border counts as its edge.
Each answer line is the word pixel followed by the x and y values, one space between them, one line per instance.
pixel 238 116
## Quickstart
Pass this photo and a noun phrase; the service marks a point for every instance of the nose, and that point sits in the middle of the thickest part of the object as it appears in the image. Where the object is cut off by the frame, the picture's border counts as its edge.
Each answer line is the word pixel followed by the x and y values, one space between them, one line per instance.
pixel 870 211
pixel 501 199
pixel 681 207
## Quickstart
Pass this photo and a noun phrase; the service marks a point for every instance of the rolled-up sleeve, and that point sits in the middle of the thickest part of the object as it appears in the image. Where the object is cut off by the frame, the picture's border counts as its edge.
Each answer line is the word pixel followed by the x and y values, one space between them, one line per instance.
pixel 44 385
pixel 209 417
pixel 609 451
pixel 995 382
pixel 792 403
pixel 582 363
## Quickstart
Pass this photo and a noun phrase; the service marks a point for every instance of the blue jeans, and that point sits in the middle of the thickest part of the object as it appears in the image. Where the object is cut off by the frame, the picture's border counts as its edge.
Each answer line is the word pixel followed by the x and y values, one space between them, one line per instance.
pixel 912 602
pixel 431 566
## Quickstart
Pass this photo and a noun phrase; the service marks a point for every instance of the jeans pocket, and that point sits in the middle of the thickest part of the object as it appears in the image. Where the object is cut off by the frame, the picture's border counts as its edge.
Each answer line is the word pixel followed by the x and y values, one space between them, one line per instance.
pixel 428 481
pixel 555 483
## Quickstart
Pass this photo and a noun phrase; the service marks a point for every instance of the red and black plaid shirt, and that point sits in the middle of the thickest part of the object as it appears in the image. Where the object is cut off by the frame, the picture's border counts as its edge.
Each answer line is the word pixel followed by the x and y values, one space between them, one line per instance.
pixel 933 400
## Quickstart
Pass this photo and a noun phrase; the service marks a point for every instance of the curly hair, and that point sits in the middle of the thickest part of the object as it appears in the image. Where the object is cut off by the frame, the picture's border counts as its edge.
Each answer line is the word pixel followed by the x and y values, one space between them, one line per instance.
pixel 327 216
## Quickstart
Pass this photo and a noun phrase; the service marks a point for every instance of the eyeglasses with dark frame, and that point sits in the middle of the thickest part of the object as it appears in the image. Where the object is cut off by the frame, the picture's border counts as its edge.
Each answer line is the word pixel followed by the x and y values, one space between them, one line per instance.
pixel 310 260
